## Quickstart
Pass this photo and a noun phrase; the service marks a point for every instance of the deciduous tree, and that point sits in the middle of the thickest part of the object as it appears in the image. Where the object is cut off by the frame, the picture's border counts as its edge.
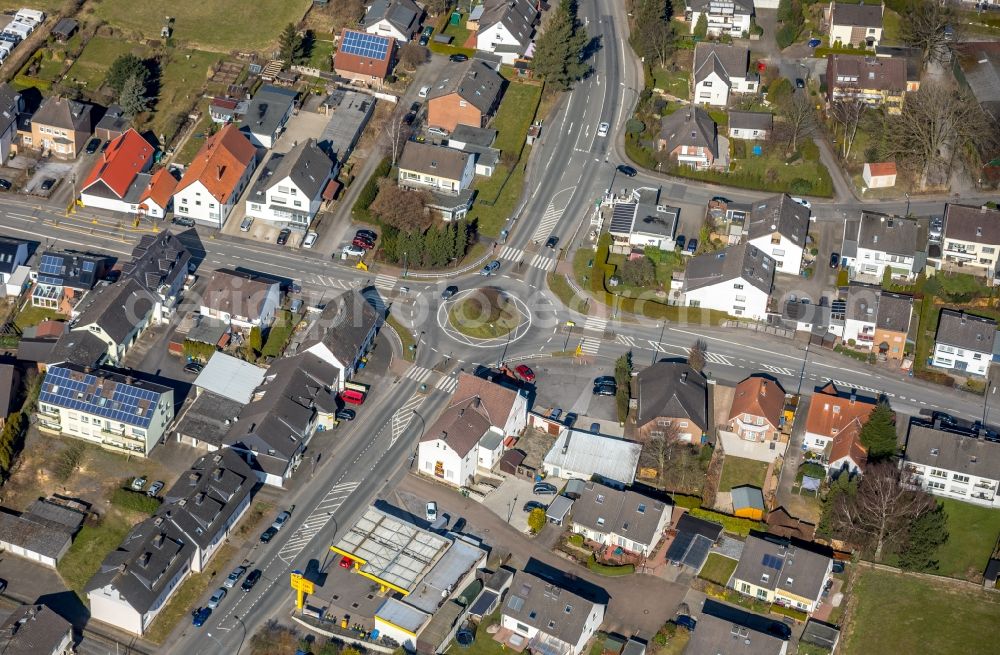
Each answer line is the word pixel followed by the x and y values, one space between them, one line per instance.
pixel 848 114
pixel 652 35
pixel 623 379
pixel 660 450
pixel 696 357
pixel 395 134
pixel 798 119
pixel 923 26
pixel 638 272
pixel 559 50
pixel 413 54
pixel 536 520
pixel 401 208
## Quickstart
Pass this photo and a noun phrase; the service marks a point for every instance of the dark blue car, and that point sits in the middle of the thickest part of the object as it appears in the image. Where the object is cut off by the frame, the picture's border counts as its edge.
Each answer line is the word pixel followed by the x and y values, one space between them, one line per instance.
pixel 200 616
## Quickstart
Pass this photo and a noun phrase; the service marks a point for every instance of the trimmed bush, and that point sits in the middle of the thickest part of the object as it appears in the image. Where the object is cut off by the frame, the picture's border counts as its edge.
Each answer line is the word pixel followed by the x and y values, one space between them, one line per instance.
pixel 798 615
pixel 733 524
pixel 687 502
pixel 608 570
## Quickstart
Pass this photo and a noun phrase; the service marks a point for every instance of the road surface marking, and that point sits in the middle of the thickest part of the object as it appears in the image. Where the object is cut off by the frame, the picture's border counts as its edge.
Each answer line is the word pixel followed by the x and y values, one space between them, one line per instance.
pixel 447 384
pixel 625 340
pixel 595 323
pixel 383 281
pixel 511 254
pixel 779 370
pixel 590 346
pixel 403 417
pixel 418 373
pixel 544 263
pixel 551 217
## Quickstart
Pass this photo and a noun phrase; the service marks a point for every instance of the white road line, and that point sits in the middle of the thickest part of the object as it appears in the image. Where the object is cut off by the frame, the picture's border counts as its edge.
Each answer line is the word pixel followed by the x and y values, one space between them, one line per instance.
pixel 447 384
pixel 544 263
pixel 511 254
pixel 595 323
pixel 418 373
pixel 383 281
pixel 625 340
pixel 549 219
pixel 590 346
pixel 779 370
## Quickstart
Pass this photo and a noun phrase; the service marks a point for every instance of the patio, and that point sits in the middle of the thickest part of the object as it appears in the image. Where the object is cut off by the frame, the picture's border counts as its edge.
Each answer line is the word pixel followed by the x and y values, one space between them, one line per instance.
pixel 614 555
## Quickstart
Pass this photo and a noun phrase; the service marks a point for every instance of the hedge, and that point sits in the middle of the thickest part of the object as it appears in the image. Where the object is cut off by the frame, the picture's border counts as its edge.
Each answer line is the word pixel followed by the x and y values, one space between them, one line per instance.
pixel 368 192
pixel 687 502
pixel 733 524
pixel 798 615
pixel 136 501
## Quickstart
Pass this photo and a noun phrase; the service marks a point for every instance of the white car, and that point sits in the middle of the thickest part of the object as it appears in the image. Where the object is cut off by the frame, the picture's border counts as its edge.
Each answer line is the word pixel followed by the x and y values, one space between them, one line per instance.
pixel 353 251
pixel 216 598
pixel 437 131
pixel 310 239
pixel 424 90
pixel 602 129
pixel 805 203
pixel 431 511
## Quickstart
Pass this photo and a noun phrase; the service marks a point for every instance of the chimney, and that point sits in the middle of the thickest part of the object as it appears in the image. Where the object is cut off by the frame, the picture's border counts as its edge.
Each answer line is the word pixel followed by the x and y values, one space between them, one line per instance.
pixel 763 389
pixel 444 436
pixel 222 169
pixel 477 402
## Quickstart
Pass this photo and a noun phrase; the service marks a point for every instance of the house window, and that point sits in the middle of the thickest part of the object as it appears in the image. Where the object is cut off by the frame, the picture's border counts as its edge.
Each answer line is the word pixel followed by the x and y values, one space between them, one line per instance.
pixel 297 203
pixel 960 478
pixel 764 577
pixel 738 286
pixel 707 84
pixel 282 189
pixel 463 103
pixel 741 298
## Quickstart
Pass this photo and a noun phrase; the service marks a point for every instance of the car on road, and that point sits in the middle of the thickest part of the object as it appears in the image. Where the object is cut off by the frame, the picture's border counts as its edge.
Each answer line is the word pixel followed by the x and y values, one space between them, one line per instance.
pixel 199 616
pixel 47 184
pixel 283 236
pixel 310 239
pixel 680 241
pixel 627 170
pixel 437 131
pixel 532 505
pixel 251 580
pixel 458 58
pixel 234 577
pixel 604 379
pixel 606 390
pixel 5 184
pixel 93 145
pixel 280 520
pixel 800 83
pixel 545 489
pixel 490 268
pixel 570 419
pixel 802 201
pixel 814 43
pixel 139 483
pixel 449 292
pixel 353 251
pixel 525 373
pixel 551 242
pixel 155 489
pixel 216 598
pixel 345 414
pixel 245 225
pixel 431 511
pixel 691 247
pixel 602 129
pixel 193 368
pixel 183 221
pixel 834 259
pixel 268 535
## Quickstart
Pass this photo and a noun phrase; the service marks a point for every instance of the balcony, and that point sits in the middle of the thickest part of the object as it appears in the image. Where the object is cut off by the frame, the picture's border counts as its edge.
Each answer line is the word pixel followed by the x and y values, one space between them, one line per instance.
pixel 115 433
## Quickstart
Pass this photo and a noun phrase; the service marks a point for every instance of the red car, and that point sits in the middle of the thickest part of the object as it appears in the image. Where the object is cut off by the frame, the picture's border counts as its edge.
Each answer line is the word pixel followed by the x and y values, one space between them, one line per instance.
pixel 525 373
pixel 361 243
pixel 345 562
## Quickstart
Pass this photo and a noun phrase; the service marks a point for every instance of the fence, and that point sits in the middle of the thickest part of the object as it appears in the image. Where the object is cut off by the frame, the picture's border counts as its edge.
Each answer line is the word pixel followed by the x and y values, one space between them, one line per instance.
pixel 760 327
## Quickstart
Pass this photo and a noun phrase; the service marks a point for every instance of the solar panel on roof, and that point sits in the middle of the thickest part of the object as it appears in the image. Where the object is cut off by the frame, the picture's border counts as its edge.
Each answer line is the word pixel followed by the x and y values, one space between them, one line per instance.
pixel 45 279
pixel 62 390
pixel 363 44
pixel 88 267
pixel 772 562
pixel 51 265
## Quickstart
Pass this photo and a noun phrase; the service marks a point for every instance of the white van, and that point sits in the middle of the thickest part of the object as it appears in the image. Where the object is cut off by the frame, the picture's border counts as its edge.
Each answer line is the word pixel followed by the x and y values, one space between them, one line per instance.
pixel 424 90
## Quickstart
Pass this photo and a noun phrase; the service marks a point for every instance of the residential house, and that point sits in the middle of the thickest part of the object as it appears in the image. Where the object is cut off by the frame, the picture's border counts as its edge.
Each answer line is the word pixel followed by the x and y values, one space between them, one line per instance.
pixel 344 333
pixel 115 411
pixel 855 24
pixel 13 255
pixel 642 221
pixel 690 137
pixel 748 502
pixel 117 314
pixel 882 241
pixel 43 533
pixel 737 281
pixel 135 581
pixel 506 28
pixel 160 263
pixel 581 455
pixel 953 462
pixel 274 429
pixel 671 396
pixel 112 125
pixel 879 175
pixel 778 226
pixel 892 324
pixel 846 454
pixel 157 199
pixel 450 447
pixel 876 81
pixel 11 104
pixel 971 240
pixel 364 58
pixel 466 93
pixel 242 299
pixel 756 412
pixel 445 173
pixel 620 519
pixel 398 19
pixel 227 110
pixel 36 630
pixel 913 58
pixel 120 176
pixel 729 630
pixel 550 618
pixel 720 70
pixel 723 17
pixel 834 420
pixel 64 277
pixel 267 114
pixel 230 377
pixel 751 125
pixel 859 323
pixel 477 141
pixel 964 342
pixel 977 68
pixel 777 570
pixel 213 182
pixel 289 190
pixel 60 127
pixel 78 347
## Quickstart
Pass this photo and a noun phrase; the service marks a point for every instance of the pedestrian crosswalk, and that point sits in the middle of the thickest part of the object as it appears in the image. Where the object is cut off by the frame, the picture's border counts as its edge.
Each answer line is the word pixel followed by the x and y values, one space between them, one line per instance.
pixel 316 521
pixel 418 373
pixel 590 346
pixel 511 254
pixel 447 384
pixel 625 340
pixel 712 358
pixel 595 323
pixel 778 370
pixel 403 417
pixel 383 281
pixel 543 262
pixel 549 219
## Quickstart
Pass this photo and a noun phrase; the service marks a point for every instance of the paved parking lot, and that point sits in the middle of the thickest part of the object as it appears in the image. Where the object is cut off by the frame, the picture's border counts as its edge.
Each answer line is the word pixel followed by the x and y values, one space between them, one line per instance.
pixel 569 386
pixel 508 500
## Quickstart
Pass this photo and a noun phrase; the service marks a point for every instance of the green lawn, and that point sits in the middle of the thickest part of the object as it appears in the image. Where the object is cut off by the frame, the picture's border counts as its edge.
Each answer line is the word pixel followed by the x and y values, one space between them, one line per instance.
pixel 181 82
pixel 718 569
pixel 905 614
pixel 216 25
pixel 890 27
pixel 31 316
pixel 89 548
pixel 279 333
pixel 92 66
pixel 517 110
pixel 972 534
pixel 319 56
pixel 183 601
pixel 737 471
pixel 405 337
pixel 676 84
pixel 484 643
pixel 458 32
pixel 191 147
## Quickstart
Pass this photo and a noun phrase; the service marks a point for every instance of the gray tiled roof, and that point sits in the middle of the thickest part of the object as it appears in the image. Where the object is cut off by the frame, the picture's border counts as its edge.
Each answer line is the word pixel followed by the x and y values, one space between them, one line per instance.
pixel 267 109
pixel 477 136
pixel 741 7
pixel 208 418
pixel 736 634
pixel 751 120
pixel 9 106
pixel 953 450
pixel 63 113
pixel 34 630
pixel 966 331
pixel 343 326
pixel 890 234
pixel 474 81
pixel 779 214
pixel 870 73
pixel 894 311
pixel 117 308
pixel 690 126
pixel 34 536
pixel 401 14
pixel 461 426
pixel 862 302
pixel 157 260
pixel 433 160
pixel 518 16
pixel 77 347
pixel 606 510
pixel 727 61
pixel 745 261
pixel 856 15
pixel 800 572
pixel 672 390
pixel 307 165
pixel 974 224
pixel 552 610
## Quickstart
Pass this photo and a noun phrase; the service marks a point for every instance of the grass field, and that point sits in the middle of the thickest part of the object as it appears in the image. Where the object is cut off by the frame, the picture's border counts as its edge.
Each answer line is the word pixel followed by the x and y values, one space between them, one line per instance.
pixel 89 548
pixel 718 569
pixel 31 316
pixel 676 84
pixel 904 614
pixel 181 81
pixel 215 25
pixel 514 116
pixel 972 533
pixel 319 56
pixel 92 66
pixel 737 471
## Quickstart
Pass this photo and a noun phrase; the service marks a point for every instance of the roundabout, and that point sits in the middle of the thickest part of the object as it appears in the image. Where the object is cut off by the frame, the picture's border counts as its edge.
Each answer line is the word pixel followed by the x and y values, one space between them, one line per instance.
pixel 484 317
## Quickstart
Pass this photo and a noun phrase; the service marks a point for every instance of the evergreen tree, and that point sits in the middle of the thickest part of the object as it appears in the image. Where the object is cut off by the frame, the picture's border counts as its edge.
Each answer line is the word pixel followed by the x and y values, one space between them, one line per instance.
pixel 559 51
pixel 254 340
pixel 125 68
pixel 701 27
pixel 927 533
pixel 133 96
pixel 290 45
pixel 843 486
pixel 879 433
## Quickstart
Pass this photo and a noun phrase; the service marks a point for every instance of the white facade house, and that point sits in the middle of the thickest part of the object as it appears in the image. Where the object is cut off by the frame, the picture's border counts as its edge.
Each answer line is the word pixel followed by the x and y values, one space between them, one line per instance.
pixel 879 241
pixel 213 182
pixel 953 462
pixel 724 17
pixel 622 519
pixel 506 28
pixel 861 314
pixel 964 342
pixel 344 334
pixel 720 70
pixel 779 226
pixel 549 618
pixel 241 299
pixel 11 105
pixel 737 280
pixel 855 24
pixel 435 168
pixel 289 190
pixel 398 19
pixel 119 179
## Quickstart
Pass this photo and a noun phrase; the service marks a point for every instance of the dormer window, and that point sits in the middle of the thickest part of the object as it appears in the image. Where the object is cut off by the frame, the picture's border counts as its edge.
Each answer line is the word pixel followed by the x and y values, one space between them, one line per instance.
pixel 764 577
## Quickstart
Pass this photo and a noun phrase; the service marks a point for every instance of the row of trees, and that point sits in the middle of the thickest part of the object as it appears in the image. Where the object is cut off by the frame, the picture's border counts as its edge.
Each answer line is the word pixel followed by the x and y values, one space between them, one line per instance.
pixel 560 50
pixel 436 246
pixel 16 424
pixel 652 34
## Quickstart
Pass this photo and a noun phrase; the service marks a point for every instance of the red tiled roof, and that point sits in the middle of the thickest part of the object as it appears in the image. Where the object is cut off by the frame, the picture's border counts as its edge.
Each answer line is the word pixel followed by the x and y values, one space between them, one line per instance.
pixel 848 443
pixel 220 163
pixel 351 63
pixel 758 396
pixel 882 168
pixel 161 188
pixel 224 103
pixel 831 413
pixel 117 166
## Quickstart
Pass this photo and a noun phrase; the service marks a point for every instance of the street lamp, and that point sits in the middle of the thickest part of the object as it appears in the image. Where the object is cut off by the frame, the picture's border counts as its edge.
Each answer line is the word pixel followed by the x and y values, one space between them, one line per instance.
pixel 907 214
pixel 243 627
pixel 805 360
pixel 215 640
pixel 656 349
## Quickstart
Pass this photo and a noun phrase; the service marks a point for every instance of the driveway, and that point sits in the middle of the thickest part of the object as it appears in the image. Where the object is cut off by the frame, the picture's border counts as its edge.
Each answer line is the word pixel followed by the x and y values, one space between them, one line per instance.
pixel 507 501
pixel 561 383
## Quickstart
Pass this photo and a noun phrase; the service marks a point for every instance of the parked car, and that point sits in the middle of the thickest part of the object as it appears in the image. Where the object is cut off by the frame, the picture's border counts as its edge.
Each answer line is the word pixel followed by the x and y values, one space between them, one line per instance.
pixel 280 520
pixel 606 390
pixel 283 236
pixel 545 489
pixel 216 598
pixel 814 43
pixel 47 184
pixel 199 616
pixel 245 225
pixel 310 239
pixel 353 251
pixel 155 489
pixel 5 184
pixel 604 379
pixel 800 83
pixel 802 201
pixel 139 483
pixel 424 90
pixel 458 58
pixel 3 585
pixel 364 244
pixel 680 241
pixel 366 234
pixel 268 535
pixel 551 243
pixel 345 414
pixel 570 419
pixel 532 505
pixel 627 170
pixel 691 247
pixel 834 259
pixel 431 511
pixel 525 373
pixel 449 292
pixel 193 368
pixel 686 621
pixel 555 414
pixel 93 145
pixel 183 221
pixel 409 118
pixel 425 36
pixel 251 580
pixel 602 129
pixel 437 131
pixel 490 268
pixel 234 577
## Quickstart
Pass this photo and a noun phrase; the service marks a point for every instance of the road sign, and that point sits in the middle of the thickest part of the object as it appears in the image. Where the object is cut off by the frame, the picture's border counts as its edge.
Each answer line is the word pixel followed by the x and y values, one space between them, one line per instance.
pixel 302 587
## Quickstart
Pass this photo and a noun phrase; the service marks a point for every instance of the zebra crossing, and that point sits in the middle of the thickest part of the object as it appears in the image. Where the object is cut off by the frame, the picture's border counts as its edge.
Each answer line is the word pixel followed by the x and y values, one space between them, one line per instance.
pixel 511 254
pixel 383 281
pixel 778 370
pixel 712 358
pixel 316 521
pixel 595 323
pixel 590 346
pixel 625 340
pixel 418 373
pixel 447 384
pixel 403 417
pixel 330 281
pixel 549 219
pixel 543 262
